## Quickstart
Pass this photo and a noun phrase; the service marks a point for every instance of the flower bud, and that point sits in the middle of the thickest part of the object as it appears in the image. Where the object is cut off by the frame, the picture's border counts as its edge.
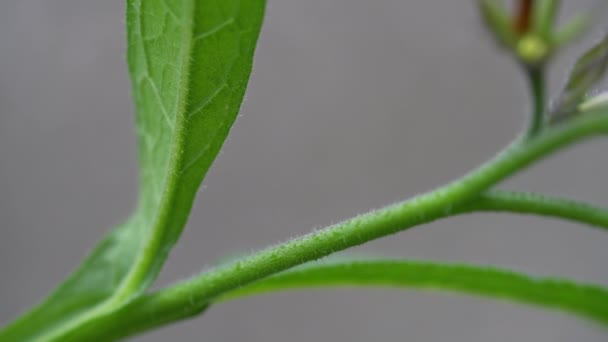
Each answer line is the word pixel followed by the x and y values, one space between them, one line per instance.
pixel 532 49
pixel 530 32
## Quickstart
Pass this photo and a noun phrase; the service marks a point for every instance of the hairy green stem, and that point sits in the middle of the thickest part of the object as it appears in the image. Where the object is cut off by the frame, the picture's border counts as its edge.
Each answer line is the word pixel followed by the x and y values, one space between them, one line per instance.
pixel 190 297
pixel 423 275
pixel 497 201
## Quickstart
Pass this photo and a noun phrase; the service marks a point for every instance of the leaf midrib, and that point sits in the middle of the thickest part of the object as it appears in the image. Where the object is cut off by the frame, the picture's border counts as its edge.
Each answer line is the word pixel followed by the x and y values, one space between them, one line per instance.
pixel 131 283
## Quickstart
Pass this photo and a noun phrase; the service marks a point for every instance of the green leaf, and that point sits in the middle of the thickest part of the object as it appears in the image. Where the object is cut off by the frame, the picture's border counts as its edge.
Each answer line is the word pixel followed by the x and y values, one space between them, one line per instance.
pixel 189 62
pixel 571 30
pixel 498 22
pixel 545 13
pixel 589 69
pixel 589 301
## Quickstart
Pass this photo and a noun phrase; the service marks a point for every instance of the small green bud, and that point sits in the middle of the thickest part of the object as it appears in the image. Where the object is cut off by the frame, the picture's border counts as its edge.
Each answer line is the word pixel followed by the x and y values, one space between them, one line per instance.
pixel 532 49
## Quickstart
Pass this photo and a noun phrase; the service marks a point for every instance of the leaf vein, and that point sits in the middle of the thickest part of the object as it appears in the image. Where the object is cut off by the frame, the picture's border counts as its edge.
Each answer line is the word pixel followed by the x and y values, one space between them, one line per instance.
pixel 159 99
pixel 206 101
pixel 172 12
pixel 214 30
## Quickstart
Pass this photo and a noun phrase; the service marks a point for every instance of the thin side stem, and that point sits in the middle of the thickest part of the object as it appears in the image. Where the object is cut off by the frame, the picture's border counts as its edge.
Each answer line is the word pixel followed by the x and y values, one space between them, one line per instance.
pixel 190 297
pixel 536 204
pixel 584 300
pixel 536 79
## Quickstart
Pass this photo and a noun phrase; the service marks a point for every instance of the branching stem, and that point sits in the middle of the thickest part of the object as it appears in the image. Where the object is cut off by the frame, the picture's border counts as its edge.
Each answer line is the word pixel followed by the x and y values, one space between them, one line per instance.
pixel 535 204
pixel 191 297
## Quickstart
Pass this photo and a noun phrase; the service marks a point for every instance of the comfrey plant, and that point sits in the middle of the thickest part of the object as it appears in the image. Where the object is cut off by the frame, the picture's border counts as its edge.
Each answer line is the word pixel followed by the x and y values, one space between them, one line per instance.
pixel 189 62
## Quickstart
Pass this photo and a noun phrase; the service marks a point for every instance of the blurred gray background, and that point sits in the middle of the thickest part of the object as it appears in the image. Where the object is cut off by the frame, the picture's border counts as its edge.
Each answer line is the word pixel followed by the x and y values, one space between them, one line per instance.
pixel 353 104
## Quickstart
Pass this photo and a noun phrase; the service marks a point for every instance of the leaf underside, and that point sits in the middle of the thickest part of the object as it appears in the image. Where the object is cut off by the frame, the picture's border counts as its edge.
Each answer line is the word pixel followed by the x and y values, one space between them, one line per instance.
pixel 587 72
pixel 189 62
pixel 585 300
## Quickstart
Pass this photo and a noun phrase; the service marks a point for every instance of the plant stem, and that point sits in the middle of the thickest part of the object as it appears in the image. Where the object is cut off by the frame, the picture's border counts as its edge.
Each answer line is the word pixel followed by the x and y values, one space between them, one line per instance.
pixel 190 297
pixel 584 300
pixel 535 204
pixel 536 79
pixel 521 203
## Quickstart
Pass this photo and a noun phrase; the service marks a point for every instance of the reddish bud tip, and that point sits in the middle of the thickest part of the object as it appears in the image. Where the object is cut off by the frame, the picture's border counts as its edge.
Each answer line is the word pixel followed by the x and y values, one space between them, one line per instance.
pixel 523 17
